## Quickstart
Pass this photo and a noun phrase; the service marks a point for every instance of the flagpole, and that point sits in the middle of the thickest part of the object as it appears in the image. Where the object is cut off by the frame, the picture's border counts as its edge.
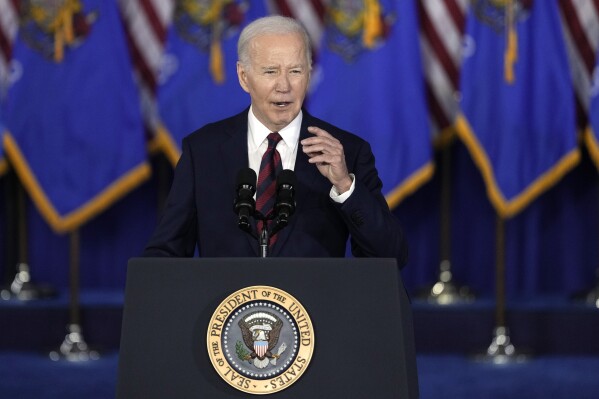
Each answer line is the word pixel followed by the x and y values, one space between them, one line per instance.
pixel 501 350
pixel 591 297
pixel 445 291
pixel 164 180
pixel 21 287
pixel 74 347
pixel 10 225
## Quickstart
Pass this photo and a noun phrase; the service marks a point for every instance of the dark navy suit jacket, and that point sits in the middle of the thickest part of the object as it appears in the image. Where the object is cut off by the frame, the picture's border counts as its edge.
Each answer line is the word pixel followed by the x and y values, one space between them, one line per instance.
pixel 199 209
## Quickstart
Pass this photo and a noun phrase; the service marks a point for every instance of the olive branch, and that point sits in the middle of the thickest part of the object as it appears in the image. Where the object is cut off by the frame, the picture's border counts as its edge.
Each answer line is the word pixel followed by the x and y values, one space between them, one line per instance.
pixel 242 353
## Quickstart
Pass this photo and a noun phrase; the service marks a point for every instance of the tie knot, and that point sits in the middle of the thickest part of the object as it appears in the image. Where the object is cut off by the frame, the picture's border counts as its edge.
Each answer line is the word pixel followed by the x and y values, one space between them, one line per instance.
pixel 273 139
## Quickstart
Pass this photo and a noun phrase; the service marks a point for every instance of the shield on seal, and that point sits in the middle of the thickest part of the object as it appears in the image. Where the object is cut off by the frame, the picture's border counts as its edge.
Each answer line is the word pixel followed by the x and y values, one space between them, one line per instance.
pixel 260 347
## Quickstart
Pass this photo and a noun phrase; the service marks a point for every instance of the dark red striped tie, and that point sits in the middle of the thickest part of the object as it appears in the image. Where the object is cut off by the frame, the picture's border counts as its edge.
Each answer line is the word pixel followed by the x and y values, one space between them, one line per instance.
pixel 267 180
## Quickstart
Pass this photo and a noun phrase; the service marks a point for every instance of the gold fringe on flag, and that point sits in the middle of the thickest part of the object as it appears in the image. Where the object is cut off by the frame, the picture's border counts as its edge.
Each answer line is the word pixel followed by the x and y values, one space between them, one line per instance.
pixel 128 181
pixel 3 167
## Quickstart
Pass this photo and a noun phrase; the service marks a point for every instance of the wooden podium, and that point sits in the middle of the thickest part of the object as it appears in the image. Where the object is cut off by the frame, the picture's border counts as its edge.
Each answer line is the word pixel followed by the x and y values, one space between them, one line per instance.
pixel 360 313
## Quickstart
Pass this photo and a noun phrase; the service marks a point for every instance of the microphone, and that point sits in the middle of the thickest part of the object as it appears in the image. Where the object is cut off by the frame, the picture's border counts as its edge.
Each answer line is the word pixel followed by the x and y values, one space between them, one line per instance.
pixel 285 202
pixel 244 204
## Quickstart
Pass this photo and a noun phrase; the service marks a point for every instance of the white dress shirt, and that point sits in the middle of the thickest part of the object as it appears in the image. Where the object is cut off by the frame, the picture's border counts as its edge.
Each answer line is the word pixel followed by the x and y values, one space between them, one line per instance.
pixel 287 148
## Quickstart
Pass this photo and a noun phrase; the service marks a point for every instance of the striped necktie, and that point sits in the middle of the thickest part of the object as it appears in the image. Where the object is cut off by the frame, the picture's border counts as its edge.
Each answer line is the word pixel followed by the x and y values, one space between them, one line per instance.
pixel 270 166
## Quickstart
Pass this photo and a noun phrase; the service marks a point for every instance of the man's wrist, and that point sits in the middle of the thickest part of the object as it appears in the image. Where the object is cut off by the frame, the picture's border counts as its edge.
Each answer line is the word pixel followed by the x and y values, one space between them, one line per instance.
pixel 341 197
pixel 345 186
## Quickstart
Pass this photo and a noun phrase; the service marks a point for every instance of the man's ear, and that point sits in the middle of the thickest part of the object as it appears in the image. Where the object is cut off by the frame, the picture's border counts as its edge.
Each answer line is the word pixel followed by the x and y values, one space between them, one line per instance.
pixel 242 76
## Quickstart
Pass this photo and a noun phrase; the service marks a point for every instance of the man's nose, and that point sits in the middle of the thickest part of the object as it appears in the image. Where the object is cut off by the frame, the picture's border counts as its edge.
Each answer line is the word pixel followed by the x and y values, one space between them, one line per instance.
pixel 283 84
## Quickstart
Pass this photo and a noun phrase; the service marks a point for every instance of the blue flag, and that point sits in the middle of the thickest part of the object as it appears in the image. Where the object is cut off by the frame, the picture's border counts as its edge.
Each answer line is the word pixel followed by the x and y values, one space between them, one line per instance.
pixel 592 136
pixel 518 117
pixel 368 80
pixel 199 77
pixel 75 134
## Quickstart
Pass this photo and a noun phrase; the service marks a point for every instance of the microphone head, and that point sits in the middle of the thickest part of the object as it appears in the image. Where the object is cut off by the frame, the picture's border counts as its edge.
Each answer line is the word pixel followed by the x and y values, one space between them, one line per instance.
pixel 244 204
pixel 285 202
pixel 246 177
pixel 286 177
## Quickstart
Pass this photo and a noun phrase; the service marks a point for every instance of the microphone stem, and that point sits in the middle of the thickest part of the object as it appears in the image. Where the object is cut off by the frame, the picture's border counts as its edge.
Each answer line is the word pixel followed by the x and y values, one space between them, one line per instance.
pixel 264 241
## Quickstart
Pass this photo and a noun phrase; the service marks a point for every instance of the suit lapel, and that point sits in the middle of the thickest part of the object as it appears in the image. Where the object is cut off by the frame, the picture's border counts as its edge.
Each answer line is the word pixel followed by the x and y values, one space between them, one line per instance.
pixel 233 149
pixel 233 152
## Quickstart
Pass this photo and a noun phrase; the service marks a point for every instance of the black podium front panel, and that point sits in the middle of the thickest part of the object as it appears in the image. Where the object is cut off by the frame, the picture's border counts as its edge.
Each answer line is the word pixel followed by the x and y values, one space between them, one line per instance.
pixel 359 310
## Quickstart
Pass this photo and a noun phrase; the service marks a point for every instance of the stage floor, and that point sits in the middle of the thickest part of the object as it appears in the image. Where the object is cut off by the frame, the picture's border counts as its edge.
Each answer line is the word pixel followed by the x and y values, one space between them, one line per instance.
pixel 33 375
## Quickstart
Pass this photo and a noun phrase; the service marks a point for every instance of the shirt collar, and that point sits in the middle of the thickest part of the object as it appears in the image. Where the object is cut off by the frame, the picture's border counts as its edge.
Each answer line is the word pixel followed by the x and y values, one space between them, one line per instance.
pixel 258 132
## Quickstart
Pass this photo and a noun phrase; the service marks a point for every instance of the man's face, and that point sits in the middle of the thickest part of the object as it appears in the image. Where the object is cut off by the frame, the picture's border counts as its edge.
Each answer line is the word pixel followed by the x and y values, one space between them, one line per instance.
pixel 277 78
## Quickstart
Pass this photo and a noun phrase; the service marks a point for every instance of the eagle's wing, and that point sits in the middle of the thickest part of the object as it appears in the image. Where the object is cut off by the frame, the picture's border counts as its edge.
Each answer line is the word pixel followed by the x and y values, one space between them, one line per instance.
pixel 247 335
pixel 274 335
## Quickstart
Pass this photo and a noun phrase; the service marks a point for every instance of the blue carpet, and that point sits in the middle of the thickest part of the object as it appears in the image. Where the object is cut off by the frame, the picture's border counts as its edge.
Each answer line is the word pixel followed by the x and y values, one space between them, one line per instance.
pixel 30 375
pixel 542 377
pixel 26 375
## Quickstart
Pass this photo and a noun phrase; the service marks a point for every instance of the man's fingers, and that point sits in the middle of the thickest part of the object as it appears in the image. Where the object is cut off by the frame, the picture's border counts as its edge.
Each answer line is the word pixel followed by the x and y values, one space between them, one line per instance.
pixel 319 134
pixel 312 148
pixel 327 159
pixel 318 131
pixel 321 141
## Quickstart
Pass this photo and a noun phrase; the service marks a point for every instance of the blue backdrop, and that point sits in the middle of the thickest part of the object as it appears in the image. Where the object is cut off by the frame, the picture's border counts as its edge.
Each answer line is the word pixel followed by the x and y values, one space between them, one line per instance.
pixel 551 236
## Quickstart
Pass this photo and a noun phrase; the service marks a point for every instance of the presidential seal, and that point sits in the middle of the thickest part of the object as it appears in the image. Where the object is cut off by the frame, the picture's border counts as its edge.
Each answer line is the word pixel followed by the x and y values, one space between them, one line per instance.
pixel 260 340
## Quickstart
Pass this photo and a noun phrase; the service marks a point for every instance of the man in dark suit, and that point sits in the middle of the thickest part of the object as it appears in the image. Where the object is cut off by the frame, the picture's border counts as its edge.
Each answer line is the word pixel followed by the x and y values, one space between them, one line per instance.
pixel 338 191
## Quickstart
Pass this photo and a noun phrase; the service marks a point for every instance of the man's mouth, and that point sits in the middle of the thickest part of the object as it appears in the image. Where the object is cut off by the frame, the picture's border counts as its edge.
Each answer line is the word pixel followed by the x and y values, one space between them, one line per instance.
pixel 281 104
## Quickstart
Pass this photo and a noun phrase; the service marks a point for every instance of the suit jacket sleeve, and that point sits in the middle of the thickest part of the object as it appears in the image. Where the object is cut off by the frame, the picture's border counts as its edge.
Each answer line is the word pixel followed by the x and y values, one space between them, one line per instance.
pixel 176 233
pixel 375 231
